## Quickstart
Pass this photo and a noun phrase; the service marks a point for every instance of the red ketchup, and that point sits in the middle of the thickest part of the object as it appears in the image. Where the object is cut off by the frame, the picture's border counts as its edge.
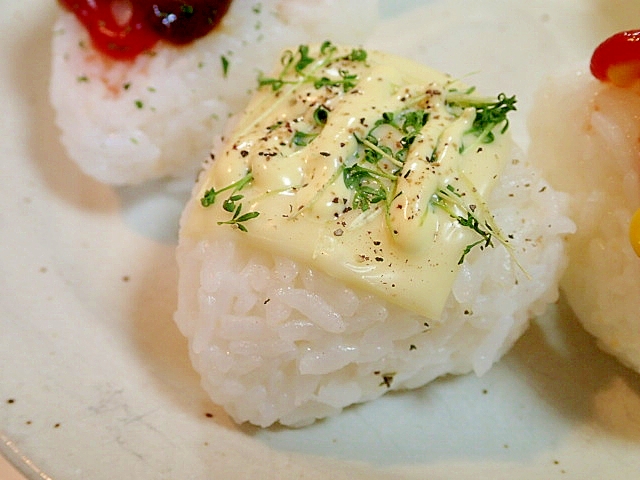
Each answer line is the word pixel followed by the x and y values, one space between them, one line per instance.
pixel 123 29
pixel 617 59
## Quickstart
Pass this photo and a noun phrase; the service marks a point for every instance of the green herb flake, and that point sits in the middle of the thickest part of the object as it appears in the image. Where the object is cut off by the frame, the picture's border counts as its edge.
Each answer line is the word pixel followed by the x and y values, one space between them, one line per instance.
pixel 225 65
pixel 302 139
pixel 186 9
pixel 321 115
pixel 82 79
pixel 357 55
pixel 139 104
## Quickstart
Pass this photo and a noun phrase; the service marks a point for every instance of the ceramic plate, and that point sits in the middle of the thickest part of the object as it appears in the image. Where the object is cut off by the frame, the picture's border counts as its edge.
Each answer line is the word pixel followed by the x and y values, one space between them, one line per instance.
pixel 95 382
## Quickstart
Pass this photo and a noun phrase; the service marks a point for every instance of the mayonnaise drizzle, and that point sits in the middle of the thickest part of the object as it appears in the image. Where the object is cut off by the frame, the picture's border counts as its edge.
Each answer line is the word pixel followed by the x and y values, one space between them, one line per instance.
pixel 407 248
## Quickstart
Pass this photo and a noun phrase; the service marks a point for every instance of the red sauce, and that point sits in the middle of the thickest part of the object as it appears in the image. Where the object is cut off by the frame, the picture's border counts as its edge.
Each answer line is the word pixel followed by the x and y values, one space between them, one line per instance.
pixel 617 59
pixel 123 29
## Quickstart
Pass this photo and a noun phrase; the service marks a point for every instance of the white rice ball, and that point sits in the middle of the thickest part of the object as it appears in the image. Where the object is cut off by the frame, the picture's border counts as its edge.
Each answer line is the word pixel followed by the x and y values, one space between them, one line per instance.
pixel 125 123
pixel 585 138
pixel 277 341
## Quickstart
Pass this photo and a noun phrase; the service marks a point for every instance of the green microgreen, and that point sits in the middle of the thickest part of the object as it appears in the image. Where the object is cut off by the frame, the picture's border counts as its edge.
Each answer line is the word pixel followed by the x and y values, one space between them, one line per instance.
pixel 347 81
pixel 490 113
pixel 450 200
pixel 238 220
pixel 232 203
pixel 321 115
pixel 357 55
pixel 302 139
pixel 368 186
pixel 296 68
pixel 304 60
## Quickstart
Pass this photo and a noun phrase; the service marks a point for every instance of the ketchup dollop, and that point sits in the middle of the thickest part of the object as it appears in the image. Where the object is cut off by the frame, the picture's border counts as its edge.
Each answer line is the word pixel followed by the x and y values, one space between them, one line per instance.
pixel 123 29
pixel 617 59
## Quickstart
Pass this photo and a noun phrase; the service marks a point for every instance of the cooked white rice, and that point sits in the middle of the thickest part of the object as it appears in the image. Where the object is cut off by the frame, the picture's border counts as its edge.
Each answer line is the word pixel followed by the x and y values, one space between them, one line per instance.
pixel 585 138
pixel 276 341
pixel 124 123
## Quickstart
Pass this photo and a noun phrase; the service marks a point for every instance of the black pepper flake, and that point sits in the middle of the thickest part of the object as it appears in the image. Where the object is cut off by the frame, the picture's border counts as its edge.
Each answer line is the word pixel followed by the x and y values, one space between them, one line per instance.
pixel 412 347
pixel 266 301
pixel 379 259
pixel 387 378
pixel 208 415
pixel 57 425
pixel 244 153
pixel 11 400
pixel 325 154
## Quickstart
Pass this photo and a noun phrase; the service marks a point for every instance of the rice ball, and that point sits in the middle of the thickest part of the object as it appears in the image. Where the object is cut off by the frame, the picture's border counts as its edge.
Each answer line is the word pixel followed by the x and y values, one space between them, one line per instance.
pixel 585 138
pixel 126 122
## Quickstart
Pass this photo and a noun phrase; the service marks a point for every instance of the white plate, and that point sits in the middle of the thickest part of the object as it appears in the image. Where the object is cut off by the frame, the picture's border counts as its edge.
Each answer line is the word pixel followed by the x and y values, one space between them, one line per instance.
pixel 94 376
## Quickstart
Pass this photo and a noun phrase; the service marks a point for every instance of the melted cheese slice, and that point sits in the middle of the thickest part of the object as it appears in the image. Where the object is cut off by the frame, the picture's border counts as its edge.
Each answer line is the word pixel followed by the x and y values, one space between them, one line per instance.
pixel 408 252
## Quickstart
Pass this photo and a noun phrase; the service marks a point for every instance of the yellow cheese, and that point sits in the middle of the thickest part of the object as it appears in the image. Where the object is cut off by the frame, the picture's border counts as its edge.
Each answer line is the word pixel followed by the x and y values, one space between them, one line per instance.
pixel 287 156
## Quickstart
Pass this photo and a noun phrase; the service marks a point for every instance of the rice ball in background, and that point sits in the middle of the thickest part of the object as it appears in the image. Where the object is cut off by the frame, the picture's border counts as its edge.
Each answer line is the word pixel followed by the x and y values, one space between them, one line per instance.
pixel 125 122
pixel 585 136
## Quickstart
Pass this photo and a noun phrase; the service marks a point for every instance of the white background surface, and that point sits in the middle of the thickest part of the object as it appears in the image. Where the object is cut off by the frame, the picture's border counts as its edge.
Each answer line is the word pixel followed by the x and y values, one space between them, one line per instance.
pixel 99 375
